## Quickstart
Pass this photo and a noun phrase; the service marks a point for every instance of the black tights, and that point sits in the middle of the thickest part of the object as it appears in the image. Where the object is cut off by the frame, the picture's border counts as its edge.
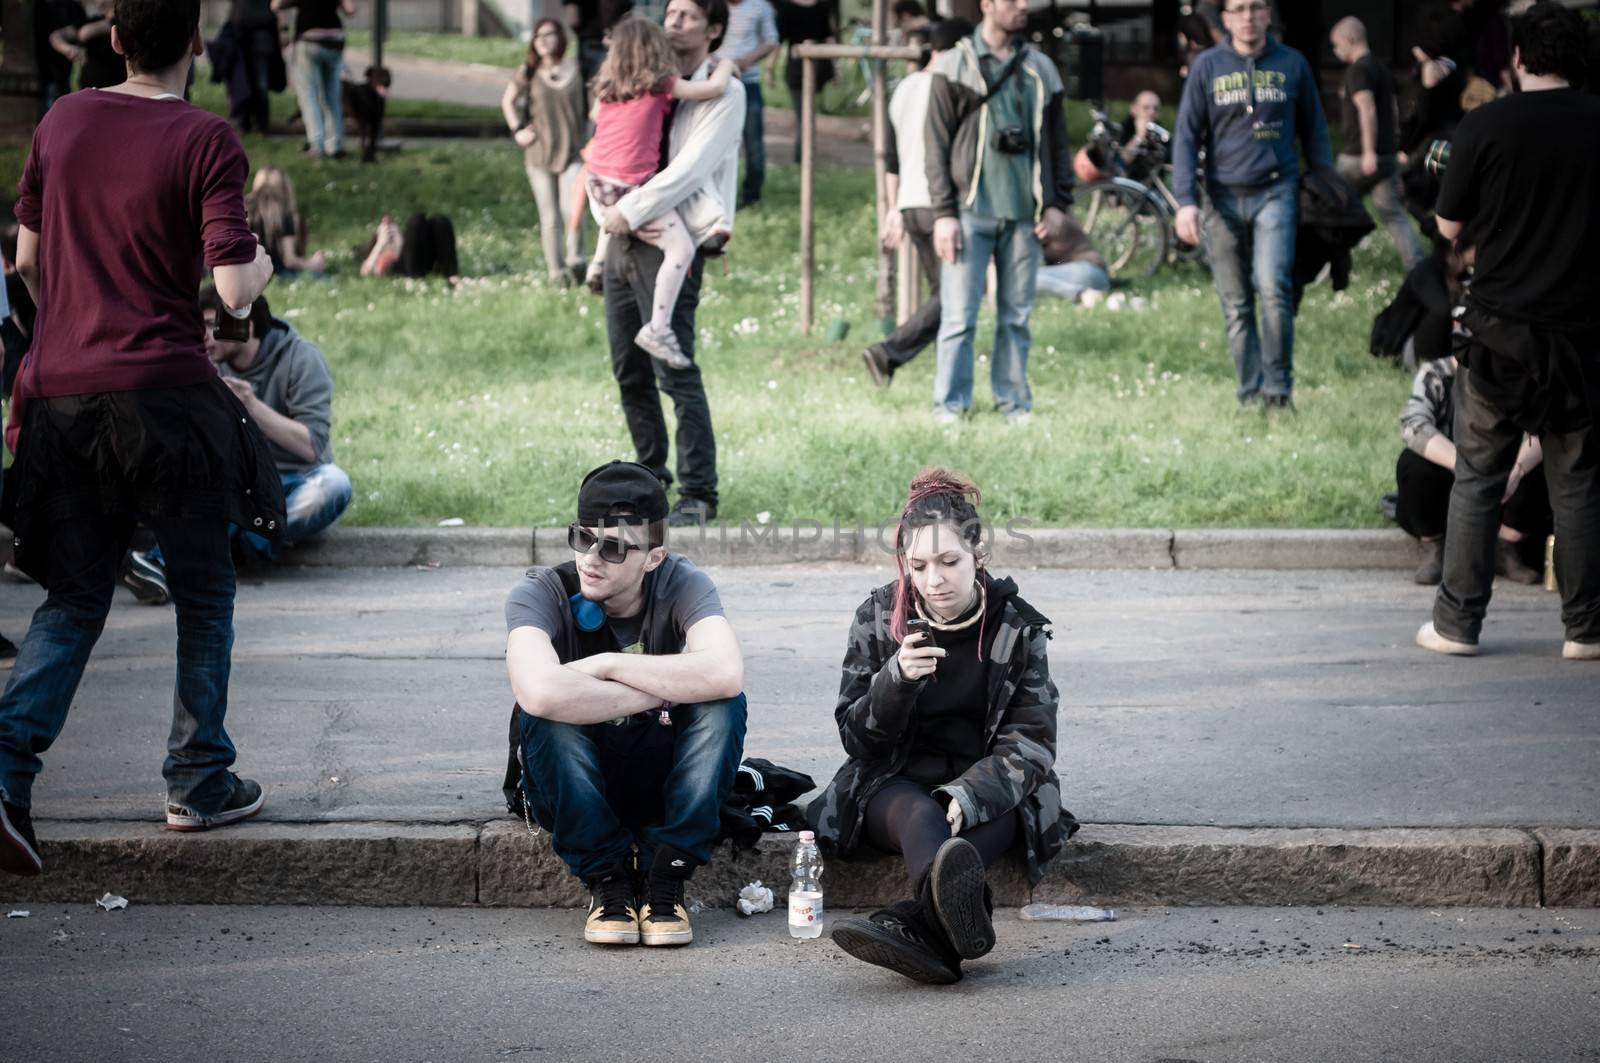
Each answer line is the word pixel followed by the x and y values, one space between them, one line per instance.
pixel 904 817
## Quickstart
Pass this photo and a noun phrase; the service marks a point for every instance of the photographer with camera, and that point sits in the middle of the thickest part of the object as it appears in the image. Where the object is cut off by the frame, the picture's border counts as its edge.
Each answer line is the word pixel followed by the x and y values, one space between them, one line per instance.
pixel 1523 171
pixel 1000 180
pixel 1246 103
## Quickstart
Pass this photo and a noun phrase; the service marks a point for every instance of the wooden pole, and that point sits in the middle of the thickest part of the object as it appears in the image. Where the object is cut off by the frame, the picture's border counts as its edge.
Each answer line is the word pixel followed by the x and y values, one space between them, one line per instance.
pixel 808 164
pixel 883 303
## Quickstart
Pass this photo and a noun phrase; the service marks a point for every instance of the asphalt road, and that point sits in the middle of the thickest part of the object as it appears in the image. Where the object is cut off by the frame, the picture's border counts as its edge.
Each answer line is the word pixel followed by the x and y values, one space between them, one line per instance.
pixel 1234 698
pixel 1160 986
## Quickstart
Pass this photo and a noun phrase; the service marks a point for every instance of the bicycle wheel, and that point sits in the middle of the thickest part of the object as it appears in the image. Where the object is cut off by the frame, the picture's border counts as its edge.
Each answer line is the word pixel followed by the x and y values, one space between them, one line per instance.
pixel 1126 227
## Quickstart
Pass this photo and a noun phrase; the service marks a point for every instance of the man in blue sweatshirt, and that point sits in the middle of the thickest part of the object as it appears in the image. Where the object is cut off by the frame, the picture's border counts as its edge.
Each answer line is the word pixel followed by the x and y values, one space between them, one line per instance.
pixel 1246 103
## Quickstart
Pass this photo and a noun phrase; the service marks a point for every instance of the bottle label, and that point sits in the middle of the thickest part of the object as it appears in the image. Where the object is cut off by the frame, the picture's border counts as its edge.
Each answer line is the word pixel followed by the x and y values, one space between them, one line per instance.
pixel 805 909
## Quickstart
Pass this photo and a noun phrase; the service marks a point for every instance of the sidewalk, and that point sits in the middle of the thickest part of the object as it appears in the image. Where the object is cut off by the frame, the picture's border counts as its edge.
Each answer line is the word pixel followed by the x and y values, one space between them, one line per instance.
pixel 840 141
pixel 1230 736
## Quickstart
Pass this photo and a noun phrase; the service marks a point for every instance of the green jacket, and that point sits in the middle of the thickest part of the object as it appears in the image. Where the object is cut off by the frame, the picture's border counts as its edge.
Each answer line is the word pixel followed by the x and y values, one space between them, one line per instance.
pixel 877 721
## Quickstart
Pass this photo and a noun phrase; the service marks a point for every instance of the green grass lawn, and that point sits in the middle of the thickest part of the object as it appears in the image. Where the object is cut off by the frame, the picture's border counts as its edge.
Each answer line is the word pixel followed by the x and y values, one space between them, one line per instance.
pixel 489 401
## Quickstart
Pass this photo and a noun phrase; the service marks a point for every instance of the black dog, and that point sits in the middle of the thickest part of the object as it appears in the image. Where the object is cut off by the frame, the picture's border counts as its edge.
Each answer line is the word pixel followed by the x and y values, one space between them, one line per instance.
pixel 364 101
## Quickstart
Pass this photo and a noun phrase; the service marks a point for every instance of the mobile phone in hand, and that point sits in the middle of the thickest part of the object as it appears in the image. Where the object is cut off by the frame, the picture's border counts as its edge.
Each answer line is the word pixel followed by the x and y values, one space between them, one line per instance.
pixel 919 626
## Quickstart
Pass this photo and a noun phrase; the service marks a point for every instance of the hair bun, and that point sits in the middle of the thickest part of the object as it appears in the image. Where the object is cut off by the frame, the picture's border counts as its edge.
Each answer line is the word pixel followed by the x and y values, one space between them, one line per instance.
pixel 942 481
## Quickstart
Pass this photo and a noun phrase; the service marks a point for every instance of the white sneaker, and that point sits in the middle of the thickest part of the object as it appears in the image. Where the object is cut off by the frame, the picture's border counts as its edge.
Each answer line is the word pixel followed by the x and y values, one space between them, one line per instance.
pixel 944 417
pixel 1018 418
pixel 662 346
pixel 1429 639
pixel 1580 651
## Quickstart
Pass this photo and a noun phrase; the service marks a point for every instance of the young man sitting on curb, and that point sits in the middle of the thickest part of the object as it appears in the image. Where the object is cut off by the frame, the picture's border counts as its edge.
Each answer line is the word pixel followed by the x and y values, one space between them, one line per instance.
pixel 632 723
pixel 284 383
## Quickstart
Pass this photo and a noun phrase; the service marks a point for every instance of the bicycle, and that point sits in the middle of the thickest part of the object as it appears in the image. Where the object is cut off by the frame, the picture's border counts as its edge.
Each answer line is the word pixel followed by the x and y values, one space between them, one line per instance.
pixel 1130 210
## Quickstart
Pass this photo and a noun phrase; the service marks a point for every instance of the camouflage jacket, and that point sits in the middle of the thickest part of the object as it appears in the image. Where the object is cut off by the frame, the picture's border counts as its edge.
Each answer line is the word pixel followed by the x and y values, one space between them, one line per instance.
pixel 877 722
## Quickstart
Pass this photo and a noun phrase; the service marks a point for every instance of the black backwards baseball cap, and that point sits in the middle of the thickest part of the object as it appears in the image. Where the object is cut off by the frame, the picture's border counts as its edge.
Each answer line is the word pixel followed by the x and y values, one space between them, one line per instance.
pixel 624 484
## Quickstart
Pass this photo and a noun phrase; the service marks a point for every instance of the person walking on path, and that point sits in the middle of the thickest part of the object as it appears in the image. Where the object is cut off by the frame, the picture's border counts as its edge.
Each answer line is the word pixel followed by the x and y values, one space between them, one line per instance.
pixel 544 107
pixel 912 216
pixel 752 35
pixel 948 718
pixel 319 69
pixel 631 719
pixel 1000 180
pixel 126 418
pixel 1246 104
pixel 1523 173
pixel 698 181
pixel 1370 122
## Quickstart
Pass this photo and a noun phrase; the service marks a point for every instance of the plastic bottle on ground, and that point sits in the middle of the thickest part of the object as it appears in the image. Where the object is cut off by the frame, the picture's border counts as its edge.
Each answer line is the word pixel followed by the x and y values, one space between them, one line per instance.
pixel 1066 913
pixel 805 892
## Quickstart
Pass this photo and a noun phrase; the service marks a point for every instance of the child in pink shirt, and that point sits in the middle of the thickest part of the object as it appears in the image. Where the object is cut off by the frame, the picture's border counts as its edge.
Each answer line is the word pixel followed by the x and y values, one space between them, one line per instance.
pixel 633 95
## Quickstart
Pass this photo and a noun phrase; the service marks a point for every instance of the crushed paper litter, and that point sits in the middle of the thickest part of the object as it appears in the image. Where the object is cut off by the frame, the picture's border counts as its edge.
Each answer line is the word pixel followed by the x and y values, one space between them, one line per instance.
pixel 754 898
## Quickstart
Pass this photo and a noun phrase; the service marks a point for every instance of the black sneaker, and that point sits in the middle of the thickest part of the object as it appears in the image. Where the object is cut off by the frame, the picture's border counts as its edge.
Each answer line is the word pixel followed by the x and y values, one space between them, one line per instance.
pixel 664 920
pixel 613 913
pixel 877 360
pixel 19 849
pixel 1278 405
pixel 146 577
pixel 897 938
pixel 958 894
pixel 688 512
pixel 245 801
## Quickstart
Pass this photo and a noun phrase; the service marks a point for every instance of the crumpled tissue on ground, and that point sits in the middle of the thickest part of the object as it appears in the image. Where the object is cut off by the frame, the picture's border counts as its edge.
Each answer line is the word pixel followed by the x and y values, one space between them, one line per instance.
pixel 754 898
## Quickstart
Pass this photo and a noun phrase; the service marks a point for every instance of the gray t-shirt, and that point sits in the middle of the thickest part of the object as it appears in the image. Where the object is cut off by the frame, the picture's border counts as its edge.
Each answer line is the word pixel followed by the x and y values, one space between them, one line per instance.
pixel 677 597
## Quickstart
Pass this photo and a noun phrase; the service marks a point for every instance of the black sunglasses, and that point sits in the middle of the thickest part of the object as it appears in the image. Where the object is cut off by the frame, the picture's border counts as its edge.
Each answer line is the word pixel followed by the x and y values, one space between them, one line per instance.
pixel 612 551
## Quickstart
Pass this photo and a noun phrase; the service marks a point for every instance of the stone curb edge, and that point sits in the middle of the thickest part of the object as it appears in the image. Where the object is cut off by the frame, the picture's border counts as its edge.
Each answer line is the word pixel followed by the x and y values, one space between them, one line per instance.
pixel 497 864
pixel 1014 547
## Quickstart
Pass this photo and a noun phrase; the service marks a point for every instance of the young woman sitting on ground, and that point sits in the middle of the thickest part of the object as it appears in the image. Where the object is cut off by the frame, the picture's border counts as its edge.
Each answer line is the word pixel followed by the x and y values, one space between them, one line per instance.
pixel 948 718
pixel 279 225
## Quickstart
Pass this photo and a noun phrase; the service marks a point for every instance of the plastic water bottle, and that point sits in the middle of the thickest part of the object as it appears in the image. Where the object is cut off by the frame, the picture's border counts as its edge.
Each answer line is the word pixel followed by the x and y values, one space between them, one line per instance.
pixel 805 893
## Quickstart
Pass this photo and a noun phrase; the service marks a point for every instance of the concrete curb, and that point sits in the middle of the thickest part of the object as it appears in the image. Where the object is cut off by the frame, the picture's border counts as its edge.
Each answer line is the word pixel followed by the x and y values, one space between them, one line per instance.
pixel 497 864
pixel 1015 547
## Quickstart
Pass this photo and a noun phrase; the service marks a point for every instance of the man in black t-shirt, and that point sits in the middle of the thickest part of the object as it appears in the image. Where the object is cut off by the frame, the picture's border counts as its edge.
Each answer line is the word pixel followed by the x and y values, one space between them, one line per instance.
pixel 632 722
pixel 1369 159
pixel 1525 171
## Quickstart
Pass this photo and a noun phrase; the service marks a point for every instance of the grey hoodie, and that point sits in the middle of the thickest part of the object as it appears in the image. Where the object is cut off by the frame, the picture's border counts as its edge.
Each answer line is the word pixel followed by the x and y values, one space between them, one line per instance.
pixel 291 376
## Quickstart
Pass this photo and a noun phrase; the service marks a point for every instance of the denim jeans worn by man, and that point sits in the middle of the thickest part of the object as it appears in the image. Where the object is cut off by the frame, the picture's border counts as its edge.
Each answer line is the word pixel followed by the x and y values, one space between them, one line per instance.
pixel 1247 102
pixel 124 417
pixel 1000 180
pixel 628 678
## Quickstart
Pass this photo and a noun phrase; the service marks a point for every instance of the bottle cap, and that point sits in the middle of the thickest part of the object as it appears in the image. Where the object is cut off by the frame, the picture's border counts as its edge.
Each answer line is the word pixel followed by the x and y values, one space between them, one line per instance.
pixel 808 836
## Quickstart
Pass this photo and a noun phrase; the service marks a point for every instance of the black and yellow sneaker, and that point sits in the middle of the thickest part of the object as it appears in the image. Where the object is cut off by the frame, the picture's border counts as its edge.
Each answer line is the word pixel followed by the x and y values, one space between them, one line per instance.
pixel 613 915
pixel 664 919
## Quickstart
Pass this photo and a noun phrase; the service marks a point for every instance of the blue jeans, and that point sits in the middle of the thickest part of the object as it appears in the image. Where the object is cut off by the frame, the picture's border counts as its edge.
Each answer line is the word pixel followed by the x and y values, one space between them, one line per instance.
pixel 1015 251
pixel 317 70
pixel 601 789
pixel 313 499
pixel 755 148
pixel 1068 280
pixel 82 574
pixel 1249 242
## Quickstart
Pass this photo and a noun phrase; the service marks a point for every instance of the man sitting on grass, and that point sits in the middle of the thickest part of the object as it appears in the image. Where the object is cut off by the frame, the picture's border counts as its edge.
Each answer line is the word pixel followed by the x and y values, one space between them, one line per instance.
pixel 283 381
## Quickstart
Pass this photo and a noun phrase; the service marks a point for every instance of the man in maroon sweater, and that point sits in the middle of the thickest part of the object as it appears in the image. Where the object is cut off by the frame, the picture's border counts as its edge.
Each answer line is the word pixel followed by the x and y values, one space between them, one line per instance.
pixel 127 195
